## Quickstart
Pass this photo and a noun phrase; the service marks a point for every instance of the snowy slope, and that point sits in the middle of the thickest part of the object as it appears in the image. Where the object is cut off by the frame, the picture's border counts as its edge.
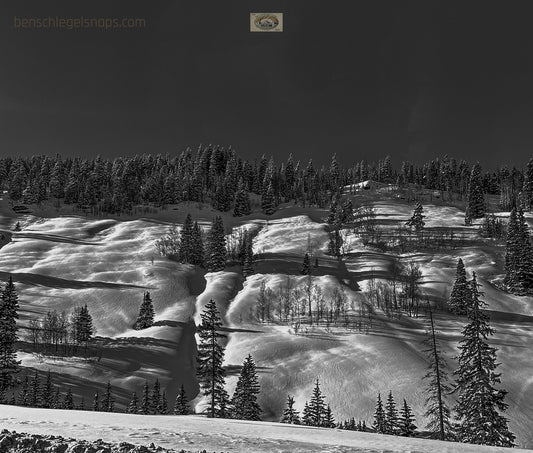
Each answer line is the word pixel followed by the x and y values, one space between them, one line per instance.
pixel 233 436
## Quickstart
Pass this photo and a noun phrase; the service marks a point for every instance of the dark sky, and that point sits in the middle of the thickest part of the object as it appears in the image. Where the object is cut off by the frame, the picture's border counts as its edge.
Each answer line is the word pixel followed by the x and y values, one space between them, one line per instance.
pixel 362 78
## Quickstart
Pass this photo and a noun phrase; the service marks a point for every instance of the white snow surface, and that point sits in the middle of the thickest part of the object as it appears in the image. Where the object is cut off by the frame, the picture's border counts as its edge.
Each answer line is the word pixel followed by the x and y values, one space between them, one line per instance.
pixel 232 436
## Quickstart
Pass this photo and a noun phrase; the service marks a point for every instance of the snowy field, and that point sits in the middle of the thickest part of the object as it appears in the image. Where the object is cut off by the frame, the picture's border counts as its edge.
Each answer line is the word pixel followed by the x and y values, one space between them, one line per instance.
pixel 61 262
pixel 231 436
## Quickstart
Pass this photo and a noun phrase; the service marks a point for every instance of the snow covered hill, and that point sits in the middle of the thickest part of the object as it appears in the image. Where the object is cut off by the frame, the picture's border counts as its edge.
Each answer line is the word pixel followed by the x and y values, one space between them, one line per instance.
pixel 62 262
pixel 232 436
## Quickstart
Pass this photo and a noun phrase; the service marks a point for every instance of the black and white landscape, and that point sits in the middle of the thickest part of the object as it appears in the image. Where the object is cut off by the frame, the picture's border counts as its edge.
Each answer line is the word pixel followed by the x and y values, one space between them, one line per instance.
pixel 317 239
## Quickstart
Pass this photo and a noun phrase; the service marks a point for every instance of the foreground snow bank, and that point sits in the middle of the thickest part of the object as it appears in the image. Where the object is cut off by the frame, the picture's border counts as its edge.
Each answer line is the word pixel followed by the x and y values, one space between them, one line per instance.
pixel 194 433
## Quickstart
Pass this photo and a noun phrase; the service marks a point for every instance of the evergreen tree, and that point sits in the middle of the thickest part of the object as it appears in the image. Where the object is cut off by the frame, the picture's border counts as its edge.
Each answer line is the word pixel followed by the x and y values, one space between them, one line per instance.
pixel 380 422
pixel 244 401
pixel 108 402
pixel 146 406
pixel 306 416
pixel 290 414
pixel 57 403
pixel 23 396
pixel 518 255
pixel 437 411
pixel 417 219
pixel 329 421
pixel 133 406
pixel 391 415
pixel 68 402
pixel 164 404
pixel 197 245
pixel 81 407
pixel 317 408
pixel 268 204
pixel 186 250
pixel 9 365
pixel 156 398
pixel 460 296
pixel 210 357
pixel 242 201
pixel 476 200
pixel 248 265
pixel 406 423
pixel 84 329
pixel 47 393
pixel 96 402
pixel 181 407
pixel 479 401
pixel 216 246
pixel 306 266
pixel 34 394
pixel 145 318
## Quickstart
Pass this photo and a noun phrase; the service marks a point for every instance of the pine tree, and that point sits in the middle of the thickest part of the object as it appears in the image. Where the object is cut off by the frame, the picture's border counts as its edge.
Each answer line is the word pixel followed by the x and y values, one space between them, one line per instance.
pixel 329 421
pixel 306 266
pixel 81 407
pixel 306 416
pixel 83 329
pixel 146 402
pixel 290 414
pixel 68 402
pixel 476 201
pixel 244 401
pixel 156 398
pixel 437 411
pixel 197 245
pixel 164 404
pixel 216 246
pixel 317 408
pixel 459 297
pixel 417 219
pixel 96 402
pixel 23 396
pixel 479 401
pixel 380 422
pixel 518 255
pixel 133 406
pixel 181 407
pixel 34 394
pixel 57 403
pixel 108 402
pixel 9 365
pixel 242 201
pixel 145 318
pixel 47 392
pixel 210 357
pixel 248 265
pixel 406 423
pixel 268 204
pixel 186 250
pixel 391 415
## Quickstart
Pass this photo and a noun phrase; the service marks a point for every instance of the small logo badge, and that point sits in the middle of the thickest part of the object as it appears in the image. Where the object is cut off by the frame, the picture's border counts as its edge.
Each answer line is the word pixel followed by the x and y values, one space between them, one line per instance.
pixel 266 22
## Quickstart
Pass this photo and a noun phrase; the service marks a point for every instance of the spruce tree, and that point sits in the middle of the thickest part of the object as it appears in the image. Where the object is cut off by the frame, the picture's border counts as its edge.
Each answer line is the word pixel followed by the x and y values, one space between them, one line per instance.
pixel 406 425
pixel 47 392
pixel 108 401
pixel 146 406
pixel 186 250
pixel 417 219
pixel 476 201
pixel 268 204
pixel 248 265
pixel 133 406
pixel 96 402
pixel 164 404
pixel 480 403
pixel 209 371
pixel 57 403
pixel 81 407
pixel 23 396
pixel 244 401
pixel 437 411
pixel 84 329
pixel 35 391
pixel 290 414
pixel 307 419
pixel 181 407
pixel 156 398
pixel 306 266
pixel 518 255
pixel 391 415
pixel 216 246
pixel 317 408
pixel 242 201
pixel 9 365
pixel 459 297
pixel 197 245
pixel 145 318
pixel 329 420
pixel 380 422
pixel 68 402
